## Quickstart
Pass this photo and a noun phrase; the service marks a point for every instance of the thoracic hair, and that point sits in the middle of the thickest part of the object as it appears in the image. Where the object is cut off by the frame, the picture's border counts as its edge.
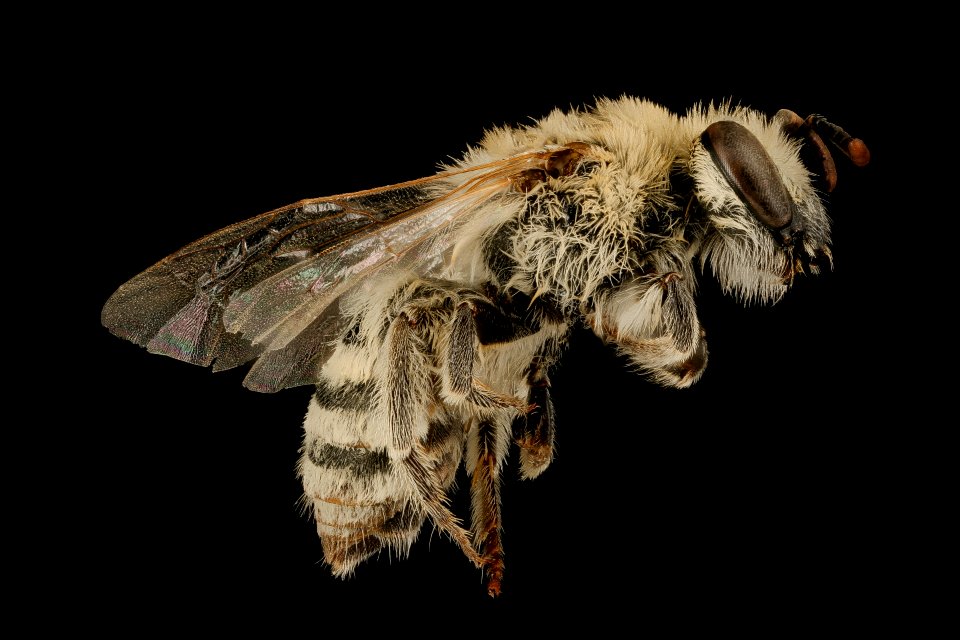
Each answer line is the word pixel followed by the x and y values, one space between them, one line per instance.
pixel 621 213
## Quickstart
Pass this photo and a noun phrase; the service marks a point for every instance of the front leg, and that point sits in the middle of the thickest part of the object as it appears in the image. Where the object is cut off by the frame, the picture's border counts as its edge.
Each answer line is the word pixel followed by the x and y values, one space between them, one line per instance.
pixel 653 320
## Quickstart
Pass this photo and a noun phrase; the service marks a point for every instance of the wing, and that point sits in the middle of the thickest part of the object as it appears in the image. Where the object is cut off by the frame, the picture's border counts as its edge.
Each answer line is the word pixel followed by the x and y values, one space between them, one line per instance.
pixel 268 288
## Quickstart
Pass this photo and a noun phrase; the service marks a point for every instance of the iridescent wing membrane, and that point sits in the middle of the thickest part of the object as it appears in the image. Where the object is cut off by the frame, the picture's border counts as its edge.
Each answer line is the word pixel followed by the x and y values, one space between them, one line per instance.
pixel 267 289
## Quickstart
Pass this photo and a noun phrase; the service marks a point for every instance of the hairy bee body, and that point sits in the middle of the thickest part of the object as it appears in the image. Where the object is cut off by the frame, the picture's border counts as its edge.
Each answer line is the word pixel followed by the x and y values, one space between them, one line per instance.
pixel 428 314
pixel 410 363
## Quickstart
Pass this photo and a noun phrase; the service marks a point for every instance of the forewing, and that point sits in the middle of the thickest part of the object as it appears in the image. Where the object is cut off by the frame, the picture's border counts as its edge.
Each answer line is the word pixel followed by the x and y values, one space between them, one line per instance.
pixel 268 287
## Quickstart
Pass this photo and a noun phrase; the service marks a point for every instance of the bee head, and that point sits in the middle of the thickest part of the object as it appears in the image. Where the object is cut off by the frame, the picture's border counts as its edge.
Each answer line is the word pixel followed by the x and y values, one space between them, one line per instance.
pixel 764 221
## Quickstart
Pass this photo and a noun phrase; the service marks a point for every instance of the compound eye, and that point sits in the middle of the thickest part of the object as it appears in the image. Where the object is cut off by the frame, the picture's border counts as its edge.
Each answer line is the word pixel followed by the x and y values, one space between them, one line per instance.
pixel 750 171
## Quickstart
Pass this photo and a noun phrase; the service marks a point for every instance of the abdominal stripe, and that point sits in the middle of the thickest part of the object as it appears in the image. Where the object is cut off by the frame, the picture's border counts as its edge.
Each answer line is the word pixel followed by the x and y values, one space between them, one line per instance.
pixel 360 461
pixel 348 396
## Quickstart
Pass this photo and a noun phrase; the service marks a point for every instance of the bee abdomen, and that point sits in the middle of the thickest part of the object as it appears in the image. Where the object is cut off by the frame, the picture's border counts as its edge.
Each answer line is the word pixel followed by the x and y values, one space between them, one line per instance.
pixel 359 499
pixel 358 469
pixel 346 396
pixel 361 461
pixel 350 533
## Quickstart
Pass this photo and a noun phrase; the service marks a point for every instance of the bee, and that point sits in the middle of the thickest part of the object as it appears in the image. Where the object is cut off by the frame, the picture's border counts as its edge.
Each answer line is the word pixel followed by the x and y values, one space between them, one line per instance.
pixel 428 314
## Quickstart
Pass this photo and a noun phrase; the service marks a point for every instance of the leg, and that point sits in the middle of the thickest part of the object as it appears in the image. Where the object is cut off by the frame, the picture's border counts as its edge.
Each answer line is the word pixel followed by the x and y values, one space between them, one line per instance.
pixel 487 444
pixel 461 356
pixel 489 436
pixel 408 422
pixel 653 320
pixel 534 431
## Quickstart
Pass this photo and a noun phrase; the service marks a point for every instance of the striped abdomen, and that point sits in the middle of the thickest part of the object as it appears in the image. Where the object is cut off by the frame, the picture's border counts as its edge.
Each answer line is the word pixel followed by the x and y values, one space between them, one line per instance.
pixel 360 494
pixel 426 374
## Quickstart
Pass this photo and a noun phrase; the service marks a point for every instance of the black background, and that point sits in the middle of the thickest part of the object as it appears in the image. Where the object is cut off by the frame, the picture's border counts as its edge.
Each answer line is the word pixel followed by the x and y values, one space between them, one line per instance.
pixel 755 497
